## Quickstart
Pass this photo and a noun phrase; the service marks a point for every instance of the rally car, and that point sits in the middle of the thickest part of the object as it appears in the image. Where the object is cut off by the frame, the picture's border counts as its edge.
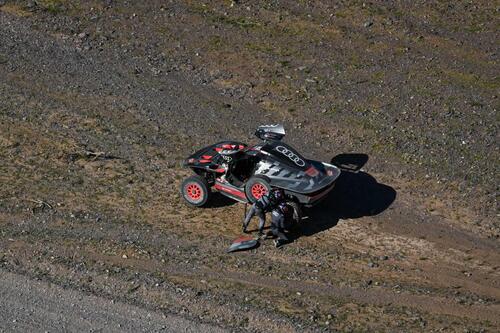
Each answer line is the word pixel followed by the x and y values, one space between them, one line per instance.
pixel 245 173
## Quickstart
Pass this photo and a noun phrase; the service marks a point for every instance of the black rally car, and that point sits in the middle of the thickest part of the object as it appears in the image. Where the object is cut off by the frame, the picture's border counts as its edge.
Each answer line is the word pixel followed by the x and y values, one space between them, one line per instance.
pixel 245 173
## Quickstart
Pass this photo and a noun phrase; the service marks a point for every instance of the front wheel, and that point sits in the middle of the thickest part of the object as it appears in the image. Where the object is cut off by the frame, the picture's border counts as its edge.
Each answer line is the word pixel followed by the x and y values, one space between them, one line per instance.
pixel 256 187
pixel 195 191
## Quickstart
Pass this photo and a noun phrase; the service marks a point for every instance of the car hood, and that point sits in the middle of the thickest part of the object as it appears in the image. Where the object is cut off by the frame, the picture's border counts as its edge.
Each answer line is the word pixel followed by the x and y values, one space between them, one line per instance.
pixel 288 169
pixel 285 154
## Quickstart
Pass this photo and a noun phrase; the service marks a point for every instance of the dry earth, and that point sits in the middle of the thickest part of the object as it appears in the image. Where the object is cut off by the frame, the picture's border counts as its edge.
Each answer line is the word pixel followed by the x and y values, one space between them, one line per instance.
pixel 101 100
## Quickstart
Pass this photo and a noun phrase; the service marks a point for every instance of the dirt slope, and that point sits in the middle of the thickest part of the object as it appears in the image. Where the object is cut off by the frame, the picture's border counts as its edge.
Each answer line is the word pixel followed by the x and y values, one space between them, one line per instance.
pixel 29 306
pixel 100 101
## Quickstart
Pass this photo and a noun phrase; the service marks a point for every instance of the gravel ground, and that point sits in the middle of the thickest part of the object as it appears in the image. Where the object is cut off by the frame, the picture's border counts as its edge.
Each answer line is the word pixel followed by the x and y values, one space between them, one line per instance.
pixel 100 101
pixel 35 306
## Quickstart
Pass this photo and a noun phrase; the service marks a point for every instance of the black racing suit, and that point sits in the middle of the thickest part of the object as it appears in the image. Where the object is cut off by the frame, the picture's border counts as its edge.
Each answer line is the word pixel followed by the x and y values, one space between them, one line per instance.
pixel 265 204
pixel 278 225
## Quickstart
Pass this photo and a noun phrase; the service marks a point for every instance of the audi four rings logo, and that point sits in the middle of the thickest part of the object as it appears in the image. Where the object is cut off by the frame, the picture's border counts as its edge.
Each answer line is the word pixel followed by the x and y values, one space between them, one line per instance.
pixel 291 155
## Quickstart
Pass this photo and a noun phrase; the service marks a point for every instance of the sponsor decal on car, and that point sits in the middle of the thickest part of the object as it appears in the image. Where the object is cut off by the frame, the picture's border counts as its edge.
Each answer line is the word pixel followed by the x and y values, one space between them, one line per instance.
pixel 291 155
pixel 227 158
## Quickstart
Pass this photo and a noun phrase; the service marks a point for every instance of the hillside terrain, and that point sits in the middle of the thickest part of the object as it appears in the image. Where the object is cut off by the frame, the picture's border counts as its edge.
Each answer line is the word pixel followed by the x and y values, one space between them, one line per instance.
pixel 100 101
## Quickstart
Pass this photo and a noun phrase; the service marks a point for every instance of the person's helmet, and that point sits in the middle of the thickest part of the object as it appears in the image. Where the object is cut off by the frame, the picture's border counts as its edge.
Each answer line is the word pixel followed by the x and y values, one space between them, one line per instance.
pixel 278 194
pixel 283 207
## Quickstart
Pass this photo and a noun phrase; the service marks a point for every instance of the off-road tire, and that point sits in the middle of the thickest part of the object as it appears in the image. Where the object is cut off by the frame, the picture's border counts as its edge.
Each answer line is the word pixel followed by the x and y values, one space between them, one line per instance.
pixel 294 216
pixel 195 191
pixel 256 187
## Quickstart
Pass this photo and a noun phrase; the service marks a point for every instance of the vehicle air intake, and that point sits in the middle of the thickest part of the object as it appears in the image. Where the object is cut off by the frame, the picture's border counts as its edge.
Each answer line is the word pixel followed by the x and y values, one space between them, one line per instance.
pixel 270 132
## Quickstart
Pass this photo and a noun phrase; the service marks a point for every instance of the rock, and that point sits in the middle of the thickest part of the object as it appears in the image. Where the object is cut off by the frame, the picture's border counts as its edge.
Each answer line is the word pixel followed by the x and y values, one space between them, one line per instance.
pixel 383 257
pixel 82 35
pixel 372 264
pixel 124 256
pixel 368 24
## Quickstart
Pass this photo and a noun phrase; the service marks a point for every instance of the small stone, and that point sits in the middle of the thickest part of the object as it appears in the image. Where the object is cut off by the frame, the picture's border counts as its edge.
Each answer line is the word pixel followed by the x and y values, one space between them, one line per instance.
pixel 368 24
pixel 82 35
pixel 124 256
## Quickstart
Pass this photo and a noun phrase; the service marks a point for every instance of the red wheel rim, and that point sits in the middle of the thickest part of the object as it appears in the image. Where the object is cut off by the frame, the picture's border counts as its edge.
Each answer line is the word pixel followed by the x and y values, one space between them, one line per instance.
pixel 194 192
pixel 258 190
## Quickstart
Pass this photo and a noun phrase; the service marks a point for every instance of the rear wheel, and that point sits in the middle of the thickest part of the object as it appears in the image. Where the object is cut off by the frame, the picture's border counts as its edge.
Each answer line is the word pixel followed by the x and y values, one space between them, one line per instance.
pixel 294 214
pixel 256 187
pixel 195 190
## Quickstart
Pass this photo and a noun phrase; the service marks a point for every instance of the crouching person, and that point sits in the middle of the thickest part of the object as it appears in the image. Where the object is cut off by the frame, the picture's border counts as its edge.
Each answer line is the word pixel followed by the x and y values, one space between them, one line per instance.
pixel 265 204
pixel 278 224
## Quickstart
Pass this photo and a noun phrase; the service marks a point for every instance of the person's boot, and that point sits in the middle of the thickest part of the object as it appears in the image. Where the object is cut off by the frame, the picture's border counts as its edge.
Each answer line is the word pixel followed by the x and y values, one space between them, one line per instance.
pixel 279 242
pixel 261 234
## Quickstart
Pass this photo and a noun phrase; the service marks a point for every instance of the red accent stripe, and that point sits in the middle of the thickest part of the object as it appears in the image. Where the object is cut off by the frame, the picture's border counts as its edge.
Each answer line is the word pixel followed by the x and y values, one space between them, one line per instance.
pixel 205 161
pixel 243 239
pixel 207 157
pixel 218 149
pixel 221 170
pixel 312 171
pixel 231 190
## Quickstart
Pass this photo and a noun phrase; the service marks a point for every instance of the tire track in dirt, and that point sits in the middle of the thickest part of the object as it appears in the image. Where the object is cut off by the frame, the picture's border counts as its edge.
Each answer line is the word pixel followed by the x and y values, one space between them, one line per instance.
pixel 382 297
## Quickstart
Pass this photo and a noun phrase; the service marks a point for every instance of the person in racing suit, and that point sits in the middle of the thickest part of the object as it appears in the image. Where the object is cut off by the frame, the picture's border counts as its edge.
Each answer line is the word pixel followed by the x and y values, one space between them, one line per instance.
pixel 230 154
pixel 278 224
pixel 265 204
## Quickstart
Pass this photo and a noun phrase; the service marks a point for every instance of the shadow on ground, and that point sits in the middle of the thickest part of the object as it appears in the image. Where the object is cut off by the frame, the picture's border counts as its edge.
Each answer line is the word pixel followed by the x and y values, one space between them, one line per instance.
pixel 356 194
pixel 218 200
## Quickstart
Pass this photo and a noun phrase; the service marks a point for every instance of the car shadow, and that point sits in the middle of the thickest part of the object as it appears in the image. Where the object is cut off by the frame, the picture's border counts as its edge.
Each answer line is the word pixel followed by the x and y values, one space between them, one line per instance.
pixel 356 194
pixel 350 162
pixel 218 200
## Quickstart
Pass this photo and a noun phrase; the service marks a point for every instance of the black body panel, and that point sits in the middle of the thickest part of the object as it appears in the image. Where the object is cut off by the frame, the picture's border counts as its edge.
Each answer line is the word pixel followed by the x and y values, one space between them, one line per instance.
pixel 306 180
